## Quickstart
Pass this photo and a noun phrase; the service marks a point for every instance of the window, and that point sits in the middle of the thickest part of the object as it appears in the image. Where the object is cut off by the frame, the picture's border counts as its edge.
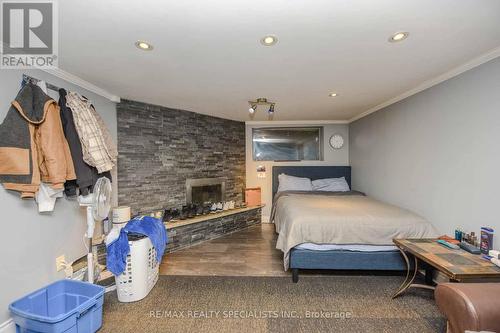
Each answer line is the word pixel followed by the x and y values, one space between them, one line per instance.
pixel 287 144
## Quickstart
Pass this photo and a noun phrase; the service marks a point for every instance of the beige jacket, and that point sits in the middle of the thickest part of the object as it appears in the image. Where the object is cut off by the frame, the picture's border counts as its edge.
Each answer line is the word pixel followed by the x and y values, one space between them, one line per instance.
pixel 32 144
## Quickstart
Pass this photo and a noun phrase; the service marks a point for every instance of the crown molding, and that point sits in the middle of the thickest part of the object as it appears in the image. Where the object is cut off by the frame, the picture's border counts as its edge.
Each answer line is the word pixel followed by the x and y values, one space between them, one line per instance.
pixel 57 72
pixel 295 122
pixel 485 57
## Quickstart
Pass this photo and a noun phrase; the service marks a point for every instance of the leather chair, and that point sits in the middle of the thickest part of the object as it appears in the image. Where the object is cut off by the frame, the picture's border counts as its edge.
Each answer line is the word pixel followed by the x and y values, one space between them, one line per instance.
pixel 470 306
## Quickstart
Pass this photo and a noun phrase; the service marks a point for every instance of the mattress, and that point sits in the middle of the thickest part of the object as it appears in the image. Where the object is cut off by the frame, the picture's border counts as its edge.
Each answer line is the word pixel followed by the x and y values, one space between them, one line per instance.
pixel 346 247
pixel 344 218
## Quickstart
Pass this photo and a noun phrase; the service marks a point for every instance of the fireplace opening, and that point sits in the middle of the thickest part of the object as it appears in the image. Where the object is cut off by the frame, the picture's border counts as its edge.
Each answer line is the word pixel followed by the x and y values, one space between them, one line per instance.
pixel 204 190
pixel 206 193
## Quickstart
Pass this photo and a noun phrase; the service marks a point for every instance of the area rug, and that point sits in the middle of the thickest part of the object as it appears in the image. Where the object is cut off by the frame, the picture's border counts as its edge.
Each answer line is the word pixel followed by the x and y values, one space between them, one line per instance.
pixel 275 304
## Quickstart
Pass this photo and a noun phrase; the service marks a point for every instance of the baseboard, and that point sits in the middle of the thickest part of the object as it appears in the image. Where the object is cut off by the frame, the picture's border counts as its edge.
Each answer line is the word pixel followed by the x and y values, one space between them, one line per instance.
pixel 266 219
pixel 440 278
pixel 8 326
pixel 437 277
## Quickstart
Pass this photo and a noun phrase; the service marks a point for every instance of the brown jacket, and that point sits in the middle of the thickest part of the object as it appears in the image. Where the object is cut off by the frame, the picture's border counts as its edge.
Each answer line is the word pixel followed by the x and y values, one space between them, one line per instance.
pixel 32 144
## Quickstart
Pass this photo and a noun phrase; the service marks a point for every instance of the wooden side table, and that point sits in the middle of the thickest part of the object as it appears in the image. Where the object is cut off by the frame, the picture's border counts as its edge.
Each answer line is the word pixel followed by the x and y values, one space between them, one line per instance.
pixel 457 265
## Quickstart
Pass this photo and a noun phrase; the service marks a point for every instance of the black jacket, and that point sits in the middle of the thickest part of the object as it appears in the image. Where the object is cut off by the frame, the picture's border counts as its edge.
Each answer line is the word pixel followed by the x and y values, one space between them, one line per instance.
pixel 86 175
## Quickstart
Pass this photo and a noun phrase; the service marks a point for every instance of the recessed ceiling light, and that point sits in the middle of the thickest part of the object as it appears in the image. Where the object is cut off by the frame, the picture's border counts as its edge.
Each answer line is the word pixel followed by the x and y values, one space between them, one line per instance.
pixel 144 45
pixel 269 40
pixel 333 94
pixel 398 36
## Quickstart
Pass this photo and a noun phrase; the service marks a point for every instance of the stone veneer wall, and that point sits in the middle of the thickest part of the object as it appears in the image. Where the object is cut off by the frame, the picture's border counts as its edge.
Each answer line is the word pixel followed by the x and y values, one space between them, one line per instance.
pixel 159 148
pixel 188 235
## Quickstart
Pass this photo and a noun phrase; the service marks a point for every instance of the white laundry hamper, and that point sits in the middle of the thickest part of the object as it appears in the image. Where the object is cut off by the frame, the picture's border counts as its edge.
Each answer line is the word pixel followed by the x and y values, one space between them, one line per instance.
pixel 141 271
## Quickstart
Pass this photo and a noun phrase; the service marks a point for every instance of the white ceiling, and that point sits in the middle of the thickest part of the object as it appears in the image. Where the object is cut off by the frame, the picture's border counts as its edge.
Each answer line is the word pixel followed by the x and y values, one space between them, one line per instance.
pixel 207 57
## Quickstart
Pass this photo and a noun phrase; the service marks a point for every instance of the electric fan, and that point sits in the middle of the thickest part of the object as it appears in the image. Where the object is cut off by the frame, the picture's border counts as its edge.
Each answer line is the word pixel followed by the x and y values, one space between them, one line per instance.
pixel 98 205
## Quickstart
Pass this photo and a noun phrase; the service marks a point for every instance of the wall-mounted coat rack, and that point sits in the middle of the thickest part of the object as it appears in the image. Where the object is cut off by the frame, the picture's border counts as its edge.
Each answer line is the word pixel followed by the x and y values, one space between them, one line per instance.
pixel 30 79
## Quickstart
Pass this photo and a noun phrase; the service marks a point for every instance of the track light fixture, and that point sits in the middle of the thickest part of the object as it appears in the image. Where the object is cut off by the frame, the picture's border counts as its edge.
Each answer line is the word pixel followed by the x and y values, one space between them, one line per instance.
pixel 261 101
pixel 252 109
pixel 271 109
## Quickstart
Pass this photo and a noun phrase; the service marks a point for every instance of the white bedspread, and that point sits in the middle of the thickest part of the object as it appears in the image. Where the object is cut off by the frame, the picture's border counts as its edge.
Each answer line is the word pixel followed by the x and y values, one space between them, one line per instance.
pixel 342 219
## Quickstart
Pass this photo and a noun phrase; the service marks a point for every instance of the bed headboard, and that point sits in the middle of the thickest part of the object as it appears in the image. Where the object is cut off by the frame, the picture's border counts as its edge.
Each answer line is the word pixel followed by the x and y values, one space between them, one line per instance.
pixel 312 172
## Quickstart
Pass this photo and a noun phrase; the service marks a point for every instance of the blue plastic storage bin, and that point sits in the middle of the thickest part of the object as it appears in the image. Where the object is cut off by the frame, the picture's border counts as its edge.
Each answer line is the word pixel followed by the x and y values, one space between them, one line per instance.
pixel 64 306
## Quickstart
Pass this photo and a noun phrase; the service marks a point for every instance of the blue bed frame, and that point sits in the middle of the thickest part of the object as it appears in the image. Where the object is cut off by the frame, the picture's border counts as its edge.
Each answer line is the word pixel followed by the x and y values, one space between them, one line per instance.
pixel 335 259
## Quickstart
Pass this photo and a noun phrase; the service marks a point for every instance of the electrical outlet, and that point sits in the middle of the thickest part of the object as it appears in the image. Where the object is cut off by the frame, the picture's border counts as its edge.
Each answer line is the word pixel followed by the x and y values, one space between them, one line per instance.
pixel 60 263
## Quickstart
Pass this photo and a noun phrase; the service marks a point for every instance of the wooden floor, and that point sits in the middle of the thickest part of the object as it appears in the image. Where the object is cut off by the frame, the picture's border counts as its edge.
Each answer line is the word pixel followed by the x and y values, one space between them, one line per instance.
pixel 250 252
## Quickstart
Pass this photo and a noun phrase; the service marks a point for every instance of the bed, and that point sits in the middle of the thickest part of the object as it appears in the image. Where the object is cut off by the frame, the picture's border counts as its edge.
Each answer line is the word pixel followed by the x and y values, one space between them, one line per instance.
pixel 340 231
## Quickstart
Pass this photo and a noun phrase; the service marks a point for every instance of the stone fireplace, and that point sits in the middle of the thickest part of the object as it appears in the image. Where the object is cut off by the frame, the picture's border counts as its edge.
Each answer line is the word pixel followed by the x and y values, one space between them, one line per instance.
pixel 204 190
pixel 160 148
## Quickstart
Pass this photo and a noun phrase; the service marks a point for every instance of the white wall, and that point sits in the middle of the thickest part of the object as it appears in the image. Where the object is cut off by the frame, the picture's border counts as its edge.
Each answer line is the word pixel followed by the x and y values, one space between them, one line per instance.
pixel 331 157
pixel 437 152
pixel 31 241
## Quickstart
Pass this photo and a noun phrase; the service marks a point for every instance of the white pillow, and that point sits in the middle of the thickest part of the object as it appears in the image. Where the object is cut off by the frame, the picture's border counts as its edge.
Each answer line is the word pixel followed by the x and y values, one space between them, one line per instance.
pixel 330 185
pixel 290 183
